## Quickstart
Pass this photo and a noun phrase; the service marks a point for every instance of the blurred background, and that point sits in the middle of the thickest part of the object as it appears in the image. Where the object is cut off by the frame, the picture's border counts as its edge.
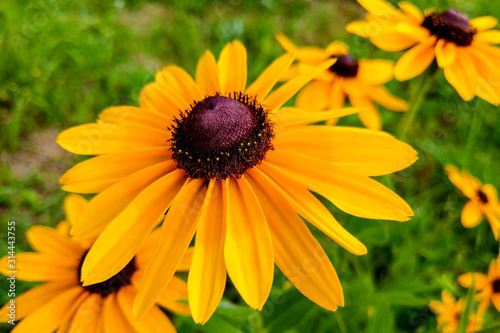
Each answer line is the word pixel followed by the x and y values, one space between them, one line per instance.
pixel 63 61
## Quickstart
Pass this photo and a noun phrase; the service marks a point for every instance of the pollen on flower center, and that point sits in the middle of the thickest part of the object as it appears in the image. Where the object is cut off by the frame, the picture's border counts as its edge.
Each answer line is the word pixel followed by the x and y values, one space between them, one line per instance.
pixel 221 136
pixel 113 284
pixel 451 25
pixel 496 286
pixel 345 66
pixel 482 196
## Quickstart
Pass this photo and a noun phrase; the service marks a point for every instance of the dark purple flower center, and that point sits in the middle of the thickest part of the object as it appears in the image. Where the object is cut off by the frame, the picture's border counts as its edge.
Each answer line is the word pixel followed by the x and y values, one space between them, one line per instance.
pixel 113 284
pixel 496 286
pixel 482 196
pixel 451 25
pixel 345 66
pixel 221 137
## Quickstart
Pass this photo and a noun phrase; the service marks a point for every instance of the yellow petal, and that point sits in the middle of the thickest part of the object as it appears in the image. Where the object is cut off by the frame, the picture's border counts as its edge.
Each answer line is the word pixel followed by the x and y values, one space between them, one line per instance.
pixel 114 319
pixel 108 204
pixel 337 48
pixel 353 193
pixel 102 138
pixel 488 37
pixel 269 77
pixel 308 54
pixel 51 242
pixel 369 116
pixel 463 181
pixel 96 174
pixel 121 239
pixel 176 233
pixel 233 68
pixel 411 10
pixel 31 266
pixel 314 96
pixel 50 316
pixel 154 321
pixel 299 256
pixel 382 96
pixel 207 277
pixel 480 280
pixel 389 39
pixel 462 75
pixel 375 72
pixel 248 249
pixel 415 61
pixel 162 100
pixel 74 205
pixel 35 298
pixel 129 115
pixel 175 296
pixel 178 81
pixel 186 261
pixel 471 214
pixel 378 7
pixel 88 316
pixel 368 152
pixel 288 117
pixel 336 98
pixel 360 28
pixel 445 52
pixel 312 209
pixel 484 23
pixel 495 299
pixel 207 74
pixel 281 95
pixel 494 221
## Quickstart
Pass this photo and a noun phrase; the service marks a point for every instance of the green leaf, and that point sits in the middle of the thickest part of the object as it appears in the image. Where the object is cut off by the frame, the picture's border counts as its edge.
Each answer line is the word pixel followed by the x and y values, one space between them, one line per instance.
pixel 464 317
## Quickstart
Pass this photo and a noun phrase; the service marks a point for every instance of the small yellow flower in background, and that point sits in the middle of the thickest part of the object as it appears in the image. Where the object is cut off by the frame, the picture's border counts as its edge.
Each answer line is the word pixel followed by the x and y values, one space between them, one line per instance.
pixel 487 286
pixel 235 168
pixel 483 200
pixel 448 313
pixel 360 81
pixel 62 303
pixel 462 47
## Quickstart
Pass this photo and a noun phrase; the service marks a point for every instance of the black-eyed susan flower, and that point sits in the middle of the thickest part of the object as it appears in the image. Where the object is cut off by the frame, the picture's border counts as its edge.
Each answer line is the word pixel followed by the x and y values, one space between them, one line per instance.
pixel 449 311
pixel 359 81
pixel 483 200
pixel 487 285
pixel 62 304
pixel 228 162
pixel 463 48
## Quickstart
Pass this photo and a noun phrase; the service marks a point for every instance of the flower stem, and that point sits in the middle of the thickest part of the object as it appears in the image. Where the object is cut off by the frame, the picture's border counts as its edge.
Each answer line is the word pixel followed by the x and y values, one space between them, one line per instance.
pixel 419 90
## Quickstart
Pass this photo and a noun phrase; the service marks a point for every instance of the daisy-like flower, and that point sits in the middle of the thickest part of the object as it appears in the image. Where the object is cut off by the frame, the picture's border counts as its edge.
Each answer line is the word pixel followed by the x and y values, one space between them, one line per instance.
pixel 63 304
pixel 449 311
pixel 483 200
pixel 231 164
pixel 488 286
pixel 463 48
pixel 360 81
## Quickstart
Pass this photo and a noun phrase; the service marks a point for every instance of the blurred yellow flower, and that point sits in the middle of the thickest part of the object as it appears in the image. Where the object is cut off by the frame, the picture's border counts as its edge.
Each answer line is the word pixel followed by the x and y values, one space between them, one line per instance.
pixel 235 167
pixel 360 81
pixel 448 313
pixel 462 47
pixel 483 200
pixel 488 286
pixel 63 304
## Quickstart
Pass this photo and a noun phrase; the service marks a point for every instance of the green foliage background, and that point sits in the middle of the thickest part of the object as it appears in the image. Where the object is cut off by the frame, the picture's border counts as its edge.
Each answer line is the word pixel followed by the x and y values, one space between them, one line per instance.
pixel 63 61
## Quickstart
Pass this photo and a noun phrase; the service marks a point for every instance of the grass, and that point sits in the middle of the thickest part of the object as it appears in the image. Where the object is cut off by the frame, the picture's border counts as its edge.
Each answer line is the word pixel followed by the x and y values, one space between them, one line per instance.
pixel 62 62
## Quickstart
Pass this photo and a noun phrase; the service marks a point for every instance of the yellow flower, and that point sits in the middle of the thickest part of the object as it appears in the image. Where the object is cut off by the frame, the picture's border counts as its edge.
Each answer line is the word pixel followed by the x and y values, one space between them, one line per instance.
pixel 448 314
pixel 488 286
pixel 361 81
pixel 462 47
pixel 63 304
pixel 234 167
pixel 483 200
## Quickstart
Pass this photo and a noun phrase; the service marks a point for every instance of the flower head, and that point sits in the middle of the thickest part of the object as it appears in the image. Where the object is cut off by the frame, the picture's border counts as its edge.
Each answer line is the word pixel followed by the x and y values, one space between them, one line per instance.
pixel 228 162
pixel 63 304
pixel 487 285
pixel 359 80
pixel 463 47
pixel 483 200
pixel 449 311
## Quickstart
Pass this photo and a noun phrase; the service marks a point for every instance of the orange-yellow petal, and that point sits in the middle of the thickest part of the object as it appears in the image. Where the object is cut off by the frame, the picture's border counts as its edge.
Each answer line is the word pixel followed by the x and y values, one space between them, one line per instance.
pixel 471 214
pixel 207 74
pixel 480 280
pixel 232 66
pixel 415 61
